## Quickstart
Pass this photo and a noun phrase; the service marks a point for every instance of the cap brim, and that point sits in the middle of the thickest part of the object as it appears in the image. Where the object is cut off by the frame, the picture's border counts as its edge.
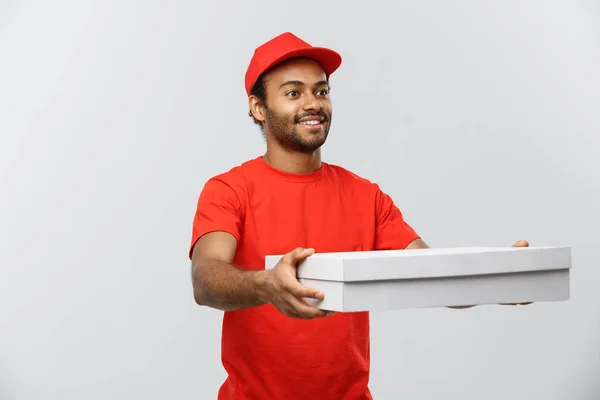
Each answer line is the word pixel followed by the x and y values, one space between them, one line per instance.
pixel 329 59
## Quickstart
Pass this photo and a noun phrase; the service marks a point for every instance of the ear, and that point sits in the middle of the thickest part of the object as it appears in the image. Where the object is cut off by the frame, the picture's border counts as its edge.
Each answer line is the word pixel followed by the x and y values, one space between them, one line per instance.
pixel 256 108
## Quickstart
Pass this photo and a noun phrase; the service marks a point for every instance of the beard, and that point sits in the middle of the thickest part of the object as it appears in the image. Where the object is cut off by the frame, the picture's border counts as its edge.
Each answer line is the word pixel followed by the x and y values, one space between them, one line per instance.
pixel 286 131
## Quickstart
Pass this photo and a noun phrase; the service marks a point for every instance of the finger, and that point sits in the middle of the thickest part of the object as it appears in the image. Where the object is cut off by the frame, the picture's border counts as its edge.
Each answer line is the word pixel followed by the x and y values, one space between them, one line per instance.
pixel 517 304
pixel 290 312
pixel 521 243
pixel 300 305
pixel 303 309
pixel 287 310
pixel 299 291
pixel 294 307
pixel 297 255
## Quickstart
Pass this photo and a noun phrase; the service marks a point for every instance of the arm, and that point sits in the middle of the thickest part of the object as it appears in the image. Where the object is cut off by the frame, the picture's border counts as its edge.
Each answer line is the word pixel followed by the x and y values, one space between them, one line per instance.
pixel 217 225
pixel 392 228
pixel 221 285
pixel 392 231
pixel 417 244
pixel 420 244
pixel 217 282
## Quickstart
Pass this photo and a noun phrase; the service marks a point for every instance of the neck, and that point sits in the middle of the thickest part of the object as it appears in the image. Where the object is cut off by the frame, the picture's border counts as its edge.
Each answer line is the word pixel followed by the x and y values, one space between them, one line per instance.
pixel 293 162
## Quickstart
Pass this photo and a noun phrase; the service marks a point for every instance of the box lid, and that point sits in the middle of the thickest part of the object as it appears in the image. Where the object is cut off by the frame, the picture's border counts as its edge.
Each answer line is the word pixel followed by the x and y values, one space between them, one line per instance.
pixel 428 263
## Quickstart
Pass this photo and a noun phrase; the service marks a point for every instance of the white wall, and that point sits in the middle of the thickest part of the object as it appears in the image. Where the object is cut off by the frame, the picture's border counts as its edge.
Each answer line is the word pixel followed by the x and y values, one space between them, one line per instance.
pixel 481 118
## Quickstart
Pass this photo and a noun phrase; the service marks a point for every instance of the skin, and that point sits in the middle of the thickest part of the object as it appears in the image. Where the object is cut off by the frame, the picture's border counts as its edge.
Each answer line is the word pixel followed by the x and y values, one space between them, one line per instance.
pixel 292 147
pixel 296 90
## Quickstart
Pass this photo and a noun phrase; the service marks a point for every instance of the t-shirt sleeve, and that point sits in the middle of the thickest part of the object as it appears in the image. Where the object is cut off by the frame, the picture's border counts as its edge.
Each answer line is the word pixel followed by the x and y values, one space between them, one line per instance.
pixel 392 231
pixel 219 209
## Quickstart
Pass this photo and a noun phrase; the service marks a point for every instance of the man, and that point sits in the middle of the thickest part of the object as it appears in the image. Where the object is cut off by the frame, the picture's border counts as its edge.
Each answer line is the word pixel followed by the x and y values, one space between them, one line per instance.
pixel 275 345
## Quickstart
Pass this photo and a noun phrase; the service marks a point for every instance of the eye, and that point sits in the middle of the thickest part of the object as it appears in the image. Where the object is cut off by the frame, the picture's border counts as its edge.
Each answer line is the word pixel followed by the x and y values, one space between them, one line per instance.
pixel 323 92
pixel 292 93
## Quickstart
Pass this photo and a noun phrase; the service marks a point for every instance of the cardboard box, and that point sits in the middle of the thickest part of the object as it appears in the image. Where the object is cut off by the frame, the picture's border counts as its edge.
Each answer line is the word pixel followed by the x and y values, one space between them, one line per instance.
pixel 399 279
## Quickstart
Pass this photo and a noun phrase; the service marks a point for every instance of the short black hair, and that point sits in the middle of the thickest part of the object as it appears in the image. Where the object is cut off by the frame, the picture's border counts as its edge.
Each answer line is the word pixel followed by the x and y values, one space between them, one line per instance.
pixel 260 91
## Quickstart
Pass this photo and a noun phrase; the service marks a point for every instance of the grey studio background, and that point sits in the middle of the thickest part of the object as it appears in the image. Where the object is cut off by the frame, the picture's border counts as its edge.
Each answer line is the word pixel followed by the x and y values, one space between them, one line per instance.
pixel 480 118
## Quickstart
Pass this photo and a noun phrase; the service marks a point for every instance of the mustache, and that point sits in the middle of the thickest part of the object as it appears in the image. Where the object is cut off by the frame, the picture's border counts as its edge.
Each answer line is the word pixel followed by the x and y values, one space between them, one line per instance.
pixel 321 114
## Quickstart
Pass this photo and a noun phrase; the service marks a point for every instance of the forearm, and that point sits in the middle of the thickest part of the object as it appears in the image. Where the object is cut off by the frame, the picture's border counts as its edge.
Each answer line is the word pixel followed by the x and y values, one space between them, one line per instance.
pixel 226 287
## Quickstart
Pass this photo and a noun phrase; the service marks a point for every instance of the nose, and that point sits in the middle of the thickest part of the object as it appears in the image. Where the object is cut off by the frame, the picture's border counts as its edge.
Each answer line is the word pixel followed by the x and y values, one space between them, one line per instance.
pixel 312 103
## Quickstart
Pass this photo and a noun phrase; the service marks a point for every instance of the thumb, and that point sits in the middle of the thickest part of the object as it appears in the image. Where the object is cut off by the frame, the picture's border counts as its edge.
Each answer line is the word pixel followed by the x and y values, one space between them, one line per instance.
pixel 296 255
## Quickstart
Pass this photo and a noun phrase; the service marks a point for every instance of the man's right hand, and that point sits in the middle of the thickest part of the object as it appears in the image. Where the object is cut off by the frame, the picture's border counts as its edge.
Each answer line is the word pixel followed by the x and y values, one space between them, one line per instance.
pixel 285 292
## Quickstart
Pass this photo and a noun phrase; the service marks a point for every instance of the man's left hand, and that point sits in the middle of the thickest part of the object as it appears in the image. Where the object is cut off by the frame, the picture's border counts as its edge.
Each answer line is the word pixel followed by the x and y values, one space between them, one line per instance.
pixel 520 243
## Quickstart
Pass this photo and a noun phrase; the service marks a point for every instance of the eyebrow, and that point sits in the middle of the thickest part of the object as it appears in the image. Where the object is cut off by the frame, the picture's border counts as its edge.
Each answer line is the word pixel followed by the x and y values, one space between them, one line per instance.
pixel 300 83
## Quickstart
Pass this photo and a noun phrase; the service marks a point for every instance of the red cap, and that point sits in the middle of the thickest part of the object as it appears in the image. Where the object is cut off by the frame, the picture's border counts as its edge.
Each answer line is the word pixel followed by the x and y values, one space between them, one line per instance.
pixel 284 47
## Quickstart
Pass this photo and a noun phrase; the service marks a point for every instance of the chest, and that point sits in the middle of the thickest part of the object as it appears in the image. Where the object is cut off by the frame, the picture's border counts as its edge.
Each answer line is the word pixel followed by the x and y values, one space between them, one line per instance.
pixel 327 218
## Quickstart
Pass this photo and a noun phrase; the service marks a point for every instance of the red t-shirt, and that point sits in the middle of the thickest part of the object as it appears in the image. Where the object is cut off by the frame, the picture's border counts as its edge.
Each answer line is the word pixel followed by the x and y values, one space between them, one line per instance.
pixel 266 354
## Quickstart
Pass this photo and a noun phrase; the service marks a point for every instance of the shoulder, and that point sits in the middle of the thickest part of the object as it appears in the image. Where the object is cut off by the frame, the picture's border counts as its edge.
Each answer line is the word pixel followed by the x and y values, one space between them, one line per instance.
pixel 360 185
pixel 231 177
pixel 350 178
pixel 237 174
pixel 231 182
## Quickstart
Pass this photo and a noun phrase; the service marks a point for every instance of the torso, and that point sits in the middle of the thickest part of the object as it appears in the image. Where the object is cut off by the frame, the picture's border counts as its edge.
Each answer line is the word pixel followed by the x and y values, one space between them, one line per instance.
pixel 330 210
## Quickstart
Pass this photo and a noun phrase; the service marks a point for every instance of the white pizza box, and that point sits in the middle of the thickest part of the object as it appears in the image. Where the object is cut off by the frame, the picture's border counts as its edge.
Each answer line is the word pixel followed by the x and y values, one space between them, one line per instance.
pixel 439 277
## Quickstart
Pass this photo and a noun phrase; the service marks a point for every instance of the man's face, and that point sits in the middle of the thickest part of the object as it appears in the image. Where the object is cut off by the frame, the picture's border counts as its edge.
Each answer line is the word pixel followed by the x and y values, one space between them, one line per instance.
pixel 298 110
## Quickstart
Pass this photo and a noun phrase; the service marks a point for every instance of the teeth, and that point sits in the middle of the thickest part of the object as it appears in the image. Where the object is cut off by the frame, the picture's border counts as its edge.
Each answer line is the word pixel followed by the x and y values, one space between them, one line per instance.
pixel 313 122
